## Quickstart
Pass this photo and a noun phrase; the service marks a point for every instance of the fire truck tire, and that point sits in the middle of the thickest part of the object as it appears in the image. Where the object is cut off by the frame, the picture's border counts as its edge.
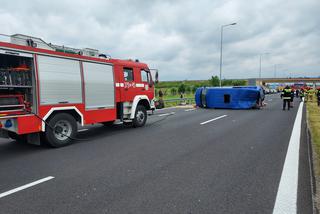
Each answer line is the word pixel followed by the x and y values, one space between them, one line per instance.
pixel 140 117
pixel 60 130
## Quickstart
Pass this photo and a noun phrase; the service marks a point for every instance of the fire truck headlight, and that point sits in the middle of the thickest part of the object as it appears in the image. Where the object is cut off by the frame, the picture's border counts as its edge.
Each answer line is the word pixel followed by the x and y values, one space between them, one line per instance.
pixel 8 124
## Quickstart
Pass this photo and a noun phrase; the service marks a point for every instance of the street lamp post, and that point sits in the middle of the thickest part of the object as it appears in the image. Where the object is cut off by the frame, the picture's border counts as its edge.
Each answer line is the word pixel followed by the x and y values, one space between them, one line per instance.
pixel 221 50
pixel 276 66
pixel 261 63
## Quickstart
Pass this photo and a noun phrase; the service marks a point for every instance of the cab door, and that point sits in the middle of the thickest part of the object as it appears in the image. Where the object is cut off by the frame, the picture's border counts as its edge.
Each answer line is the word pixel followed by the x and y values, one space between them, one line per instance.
pixel 129 83
pixel 146 86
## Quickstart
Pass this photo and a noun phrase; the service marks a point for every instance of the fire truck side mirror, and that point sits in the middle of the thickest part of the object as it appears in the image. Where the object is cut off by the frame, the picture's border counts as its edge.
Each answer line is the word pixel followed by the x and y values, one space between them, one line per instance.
pixel 156 77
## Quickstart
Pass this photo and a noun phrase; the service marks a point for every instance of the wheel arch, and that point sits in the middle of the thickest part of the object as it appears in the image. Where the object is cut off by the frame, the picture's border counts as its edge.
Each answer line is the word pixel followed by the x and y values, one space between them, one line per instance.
pixel 139 100
pixel 72 110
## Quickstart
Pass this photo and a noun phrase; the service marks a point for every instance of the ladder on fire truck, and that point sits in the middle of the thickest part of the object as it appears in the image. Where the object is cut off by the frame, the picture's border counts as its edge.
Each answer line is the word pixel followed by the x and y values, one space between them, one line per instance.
pixel 21 39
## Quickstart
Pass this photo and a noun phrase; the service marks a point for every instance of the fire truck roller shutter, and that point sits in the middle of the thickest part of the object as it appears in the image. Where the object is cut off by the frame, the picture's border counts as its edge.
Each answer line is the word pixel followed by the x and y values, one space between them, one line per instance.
pixel 99 85
pixel 60 80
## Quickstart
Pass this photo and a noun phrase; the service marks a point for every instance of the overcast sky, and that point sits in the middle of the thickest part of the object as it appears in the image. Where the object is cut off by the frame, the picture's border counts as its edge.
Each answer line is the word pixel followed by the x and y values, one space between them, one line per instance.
pixel 181 38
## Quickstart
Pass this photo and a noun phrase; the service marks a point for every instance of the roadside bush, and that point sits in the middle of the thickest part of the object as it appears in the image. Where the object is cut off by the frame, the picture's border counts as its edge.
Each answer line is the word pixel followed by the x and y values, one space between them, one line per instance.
pixel 214 81
pixel 188 89
pixel 194 88
pixel 173 91
pixel 182 88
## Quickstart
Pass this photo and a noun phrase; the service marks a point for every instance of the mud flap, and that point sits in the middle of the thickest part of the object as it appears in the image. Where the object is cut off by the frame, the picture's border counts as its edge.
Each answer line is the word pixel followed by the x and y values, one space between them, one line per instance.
pixel 4 133
pixel 34 139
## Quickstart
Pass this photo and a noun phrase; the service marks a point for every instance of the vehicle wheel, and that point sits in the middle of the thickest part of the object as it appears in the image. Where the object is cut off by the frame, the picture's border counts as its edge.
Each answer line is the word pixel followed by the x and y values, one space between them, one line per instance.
pixel 62 128
pixel 140 116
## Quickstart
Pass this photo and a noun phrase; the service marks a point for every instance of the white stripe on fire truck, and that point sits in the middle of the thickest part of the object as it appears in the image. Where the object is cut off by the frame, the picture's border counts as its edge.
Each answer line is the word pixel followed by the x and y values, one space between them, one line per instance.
pixel 139 85
pixel 119 84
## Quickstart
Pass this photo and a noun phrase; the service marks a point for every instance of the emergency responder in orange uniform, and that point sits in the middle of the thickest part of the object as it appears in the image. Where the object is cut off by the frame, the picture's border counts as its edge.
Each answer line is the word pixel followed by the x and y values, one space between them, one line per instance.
pixel 286 96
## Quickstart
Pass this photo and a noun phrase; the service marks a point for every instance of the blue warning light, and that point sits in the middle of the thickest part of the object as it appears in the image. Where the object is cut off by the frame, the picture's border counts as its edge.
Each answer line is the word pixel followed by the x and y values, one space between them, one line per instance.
pixel 8 124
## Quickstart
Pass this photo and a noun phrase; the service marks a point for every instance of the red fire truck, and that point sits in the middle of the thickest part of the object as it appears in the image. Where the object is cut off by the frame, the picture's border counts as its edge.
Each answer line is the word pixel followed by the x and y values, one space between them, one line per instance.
pixel 47 90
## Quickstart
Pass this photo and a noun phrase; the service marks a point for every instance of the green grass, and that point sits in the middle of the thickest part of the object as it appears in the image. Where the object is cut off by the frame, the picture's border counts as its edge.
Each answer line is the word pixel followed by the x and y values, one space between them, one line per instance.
pixel 176 103
pixel 167 86
pixel 313 111
pixel 314 124
pixel 168 97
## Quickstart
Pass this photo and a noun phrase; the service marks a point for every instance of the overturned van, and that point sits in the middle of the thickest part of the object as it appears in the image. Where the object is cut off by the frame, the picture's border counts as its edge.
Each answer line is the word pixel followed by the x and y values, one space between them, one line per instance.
pixel 238 97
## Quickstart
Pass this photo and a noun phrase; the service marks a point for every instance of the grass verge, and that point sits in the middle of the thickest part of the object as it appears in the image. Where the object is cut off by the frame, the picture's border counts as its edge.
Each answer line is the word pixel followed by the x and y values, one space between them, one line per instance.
pixel 314 125
pixel 313 114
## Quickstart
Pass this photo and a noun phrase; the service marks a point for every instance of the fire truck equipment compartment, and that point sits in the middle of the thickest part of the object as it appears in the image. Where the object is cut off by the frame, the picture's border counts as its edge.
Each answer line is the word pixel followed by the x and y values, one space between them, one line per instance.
pixel 16 82
pixel 60 80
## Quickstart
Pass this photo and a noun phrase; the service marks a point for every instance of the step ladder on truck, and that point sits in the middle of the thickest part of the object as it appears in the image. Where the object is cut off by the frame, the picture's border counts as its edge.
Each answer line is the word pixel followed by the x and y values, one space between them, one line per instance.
pixel 46 90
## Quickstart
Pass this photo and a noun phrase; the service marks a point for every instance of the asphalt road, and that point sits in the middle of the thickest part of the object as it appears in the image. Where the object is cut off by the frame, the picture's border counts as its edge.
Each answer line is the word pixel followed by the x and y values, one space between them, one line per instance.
pixel 172 165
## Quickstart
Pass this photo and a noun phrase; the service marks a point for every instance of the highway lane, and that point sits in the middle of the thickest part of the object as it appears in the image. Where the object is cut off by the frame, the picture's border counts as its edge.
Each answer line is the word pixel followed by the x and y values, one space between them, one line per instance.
pixel 173 165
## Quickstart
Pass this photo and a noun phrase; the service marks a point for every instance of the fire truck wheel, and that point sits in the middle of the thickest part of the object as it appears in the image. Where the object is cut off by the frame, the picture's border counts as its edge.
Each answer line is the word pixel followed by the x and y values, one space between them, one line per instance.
pixel 140 116
pixel 62 128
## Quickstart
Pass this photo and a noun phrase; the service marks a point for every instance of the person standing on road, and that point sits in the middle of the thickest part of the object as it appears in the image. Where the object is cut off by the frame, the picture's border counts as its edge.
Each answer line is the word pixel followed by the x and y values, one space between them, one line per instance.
pixel 160 93
pixel 286 96
pixel 292 97
pixel 160 101
pixel 297 93
pixel 301 94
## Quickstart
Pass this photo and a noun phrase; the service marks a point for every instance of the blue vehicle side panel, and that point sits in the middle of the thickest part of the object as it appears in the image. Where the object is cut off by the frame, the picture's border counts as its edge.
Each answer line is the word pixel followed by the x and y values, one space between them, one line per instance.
pixel 230 98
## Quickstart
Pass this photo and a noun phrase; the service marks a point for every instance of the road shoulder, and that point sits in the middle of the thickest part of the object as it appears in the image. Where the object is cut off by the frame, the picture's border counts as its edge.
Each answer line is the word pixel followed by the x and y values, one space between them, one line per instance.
pixel 304 200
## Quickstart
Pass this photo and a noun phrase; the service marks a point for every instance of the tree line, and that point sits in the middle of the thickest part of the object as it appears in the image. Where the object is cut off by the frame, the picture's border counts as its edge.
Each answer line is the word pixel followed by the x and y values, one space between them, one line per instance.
pixel 174 88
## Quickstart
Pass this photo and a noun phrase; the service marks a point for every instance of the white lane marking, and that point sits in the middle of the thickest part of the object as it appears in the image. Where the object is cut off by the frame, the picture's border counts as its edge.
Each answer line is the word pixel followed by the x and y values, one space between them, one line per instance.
pixel 166 114
pixel 270 100
pixel 286 200
pixel 192 109
pixel 83 130
pixel 25 186
pixel 217 118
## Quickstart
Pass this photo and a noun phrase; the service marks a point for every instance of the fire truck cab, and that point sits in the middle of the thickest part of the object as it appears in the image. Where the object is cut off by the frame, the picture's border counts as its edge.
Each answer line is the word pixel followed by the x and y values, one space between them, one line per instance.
pixel 46 90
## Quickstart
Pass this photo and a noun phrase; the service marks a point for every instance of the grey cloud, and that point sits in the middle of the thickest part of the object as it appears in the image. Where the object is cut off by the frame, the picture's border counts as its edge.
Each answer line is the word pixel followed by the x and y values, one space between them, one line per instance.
pixel 181 38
